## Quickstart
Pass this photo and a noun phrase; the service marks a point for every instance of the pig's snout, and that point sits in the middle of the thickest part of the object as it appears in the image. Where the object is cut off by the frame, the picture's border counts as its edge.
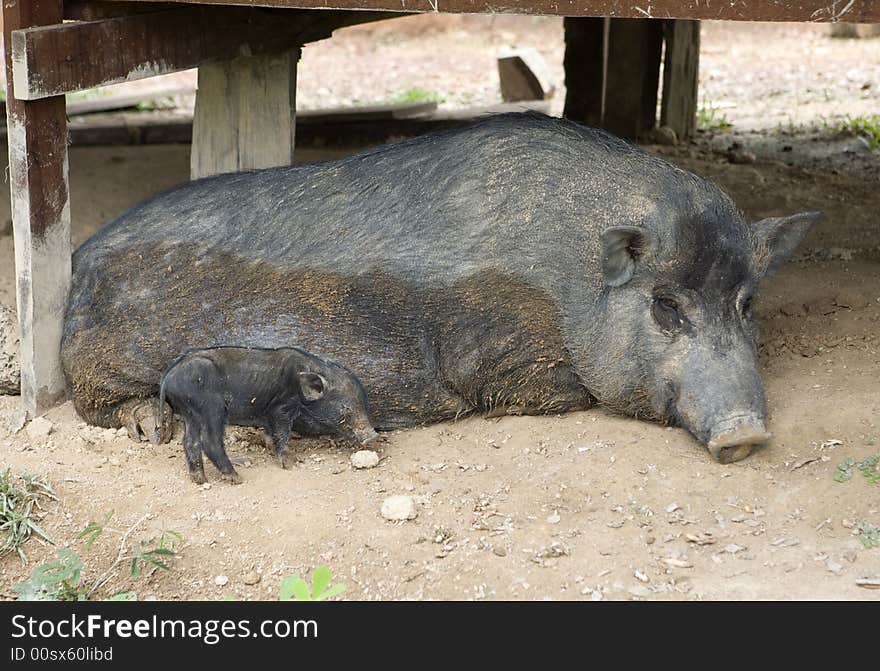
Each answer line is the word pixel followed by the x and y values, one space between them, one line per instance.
pixel 734 438
pixel 365 435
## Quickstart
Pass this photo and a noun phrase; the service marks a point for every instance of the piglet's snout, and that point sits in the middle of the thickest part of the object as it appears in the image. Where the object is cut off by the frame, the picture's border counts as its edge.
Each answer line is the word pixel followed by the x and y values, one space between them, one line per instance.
pixel 365 434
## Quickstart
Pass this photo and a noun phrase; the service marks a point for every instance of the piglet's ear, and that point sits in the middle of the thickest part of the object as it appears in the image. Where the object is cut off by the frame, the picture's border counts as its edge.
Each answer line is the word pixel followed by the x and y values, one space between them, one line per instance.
pixel 622 248
pixel 777 237
pixel 312 386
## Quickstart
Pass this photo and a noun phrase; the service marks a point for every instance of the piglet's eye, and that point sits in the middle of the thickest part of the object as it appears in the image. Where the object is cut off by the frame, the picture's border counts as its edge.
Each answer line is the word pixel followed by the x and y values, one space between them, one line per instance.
pixel 746 307
pixel 666 313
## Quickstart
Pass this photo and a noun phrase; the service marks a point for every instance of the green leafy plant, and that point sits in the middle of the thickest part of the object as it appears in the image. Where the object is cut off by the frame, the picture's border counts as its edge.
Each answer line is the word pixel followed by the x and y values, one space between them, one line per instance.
pixel 416 95
pixel 709 118
pixel 164 102
pixel 124 596
pixel 294 588
pixel 869 535
pixel 868 467
pixel 58 580
pixel 844 470
pixel 149 552
pixel 93 530
pixel 867 127
pixel 88 94
pixel 20 510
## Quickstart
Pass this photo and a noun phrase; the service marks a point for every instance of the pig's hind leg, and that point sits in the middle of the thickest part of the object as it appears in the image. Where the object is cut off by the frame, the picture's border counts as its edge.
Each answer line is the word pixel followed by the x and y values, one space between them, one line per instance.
pixel 212 444
pixel 193 451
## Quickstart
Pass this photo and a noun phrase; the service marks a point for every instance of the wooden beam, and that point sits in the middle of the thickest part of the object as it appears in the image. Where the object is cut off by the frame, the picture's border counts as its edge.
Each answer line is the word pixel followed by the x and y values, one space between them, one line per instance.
pixel 855 11
pixel 632 76
pixel 67 57
pixel 245 114
pixel 41 218
pixel 680 77
pixel 92 10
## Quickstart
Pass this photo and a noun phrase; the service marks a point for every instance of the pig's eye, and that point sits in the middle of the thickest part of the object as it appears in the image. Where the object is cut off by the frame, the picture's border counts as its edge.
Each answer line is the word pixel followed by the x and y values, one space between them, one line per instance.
pixel 746 308
pixel 666 313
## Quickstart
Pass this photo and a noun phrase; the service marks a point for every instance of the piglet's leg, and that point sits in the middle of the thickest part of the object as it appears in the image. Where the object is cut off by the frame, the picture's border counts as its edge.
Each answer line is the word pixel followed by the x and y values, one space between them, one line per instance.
pixel 192 451
pixel 212 443
pixel 279 430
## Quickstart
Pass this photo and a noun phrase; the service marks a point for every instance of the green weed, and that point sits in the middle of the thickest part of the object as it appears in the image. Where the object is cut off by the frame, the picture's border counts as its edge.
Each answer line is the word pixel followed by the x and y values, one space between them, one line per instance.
pixel 20 510
pixel 416 95
pixel 294 588
pixel 867 127
pixel 709 118
pixel 61 579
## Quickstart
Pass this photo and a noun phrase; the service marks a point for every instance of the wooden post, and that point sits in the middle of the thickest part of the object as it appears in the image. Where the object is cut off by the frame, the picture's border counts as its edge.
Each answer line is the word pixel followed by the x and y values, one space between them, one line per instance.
pixel 612 69
pixel 245 115
pixel 584 63
pixel 632 76
pixel 680 77
pixel 37 137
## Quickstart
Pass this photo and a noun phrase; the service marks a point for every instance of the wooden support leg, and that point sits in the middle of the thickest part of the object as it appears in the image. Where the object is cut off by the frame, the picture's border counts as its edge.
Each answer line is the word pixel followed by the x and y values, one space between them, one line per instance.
pixel 680 74
pixel 37 137
pixel 612 69
pixel 632 76
pixel 245 114
pixel 584 62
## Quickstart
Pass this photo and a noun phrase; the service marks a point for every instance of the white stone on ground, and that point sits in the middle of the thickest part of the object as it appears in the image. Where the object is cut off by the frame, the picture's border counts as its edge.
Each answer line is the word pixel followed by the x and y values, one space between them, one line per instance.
pixel 401 507
pixel 364 459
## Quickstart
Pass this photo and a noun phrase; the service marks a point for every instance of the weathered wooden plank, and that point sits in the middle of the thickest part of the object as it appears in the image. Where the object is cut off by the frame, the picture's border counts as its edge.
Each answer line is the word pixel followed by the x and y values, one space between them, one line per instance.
pixel 855 30
pixel 245 114
pixel 855 11
pixel 92 10
pixel 652 50
pixel 632 76
pixel 37 138
pixel 680 77
pixel 73 56
pixel 584 63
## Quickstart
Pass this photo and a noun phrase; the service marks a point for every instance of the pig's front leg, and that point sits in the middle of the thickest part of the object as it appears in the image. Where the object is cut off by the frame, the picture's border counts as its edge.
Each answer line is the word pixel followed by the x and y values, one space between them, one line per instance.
pixel 279 428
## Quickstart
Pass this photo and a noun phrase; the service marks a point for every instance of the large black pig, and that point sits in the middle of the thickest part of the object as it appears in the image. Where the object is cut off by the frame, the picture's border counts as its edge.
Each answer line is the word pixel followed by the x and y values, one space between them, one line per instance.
pixel 522 264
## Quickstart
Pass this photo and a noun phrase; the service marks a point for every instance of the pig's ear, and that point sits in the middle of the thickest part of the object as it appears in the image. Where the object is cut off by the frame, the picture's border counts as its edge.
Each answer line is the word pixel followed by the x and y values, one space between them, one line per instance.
pixel 777 237
pixel 312 386
pixel 622 248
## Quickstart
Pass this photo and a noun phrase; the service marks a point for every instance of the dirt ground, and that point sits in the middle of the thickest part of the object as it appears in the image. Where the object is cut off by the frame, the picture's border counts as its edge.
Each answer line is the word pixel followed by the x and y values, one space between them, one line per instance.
pixel 583 506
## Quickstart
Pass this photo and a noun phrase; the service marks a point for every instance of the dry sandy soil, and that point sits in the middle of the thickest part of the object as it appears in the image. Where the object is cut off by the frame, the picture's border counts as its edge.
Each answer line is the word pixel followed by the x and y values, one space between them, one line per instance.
pixel 583 506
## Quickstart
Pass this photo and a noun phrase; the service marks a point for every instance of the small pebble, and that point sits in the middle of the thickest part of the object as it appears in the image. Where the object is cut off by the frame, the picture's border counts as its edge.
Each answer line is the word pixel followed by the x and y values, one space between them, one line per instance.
pixel 364 459
pixel 741 157
pixel 221 580
pixel 397 508
pixel 677 563
pixel 251 578
pixel 639 591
